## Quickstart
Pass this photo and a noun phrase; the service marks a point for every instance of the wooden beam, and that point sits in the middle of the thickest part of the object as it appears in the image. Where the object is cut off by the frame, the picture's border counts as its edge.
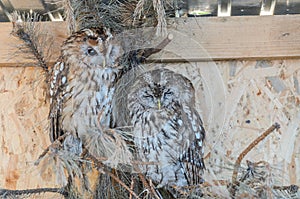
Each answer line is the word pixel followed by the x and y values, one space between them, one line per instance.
pixel 196 39
pixel 224 38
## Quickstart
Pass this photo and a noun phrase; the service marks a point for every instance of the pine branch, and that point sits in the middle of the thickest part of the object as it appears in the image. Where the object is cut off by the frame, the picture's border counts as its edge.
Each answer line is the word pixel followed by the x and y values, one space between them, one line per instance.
pixel 7 192
pixel 26 27
pixel 103 169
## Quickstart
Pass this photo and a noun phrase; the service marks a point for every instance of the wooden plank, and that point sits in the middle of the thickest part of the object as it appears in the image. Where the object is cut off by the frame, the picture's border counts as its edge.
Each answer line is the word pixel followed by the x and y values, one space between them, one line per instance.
pixel 197 39
pixel 27 4
pixel 223 38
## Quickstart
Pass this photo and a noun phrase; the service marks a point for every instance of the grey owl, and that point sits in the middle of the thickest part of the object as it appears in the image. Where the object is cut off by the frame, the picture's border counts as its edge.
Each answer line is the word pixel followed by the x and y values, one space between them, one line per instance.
pixel 82 85
pixel 168 131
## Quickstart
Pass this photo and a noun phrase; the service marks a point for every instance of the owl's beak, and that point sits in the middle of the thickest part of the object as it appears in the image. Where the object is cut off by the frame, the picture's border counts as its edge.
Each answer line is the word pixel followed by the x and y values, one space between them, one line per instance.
pixel 158 104
pixel 104 63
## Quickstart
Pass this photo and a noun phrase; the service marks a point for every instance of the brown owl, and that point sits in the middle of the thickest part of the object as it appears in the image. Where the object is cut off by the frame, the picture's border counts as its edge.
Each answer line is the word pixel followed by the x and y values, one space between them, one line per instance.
pixel 168 131
pixel 81 85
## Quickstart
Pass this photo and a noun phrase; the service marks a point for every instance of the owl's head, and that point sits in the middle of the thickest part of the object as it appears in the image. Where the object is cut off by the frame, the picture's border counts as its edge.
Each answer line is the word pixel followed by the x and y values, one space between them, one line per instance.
pixel 93 47
pixel 162 89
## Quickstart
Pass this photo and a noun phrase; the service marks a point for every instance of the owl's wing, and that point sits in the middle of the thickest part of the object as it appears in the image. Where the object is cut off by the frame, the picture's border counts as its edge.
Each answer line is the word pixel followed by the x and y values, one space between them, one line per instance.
pixel 57 90
pixel 192 160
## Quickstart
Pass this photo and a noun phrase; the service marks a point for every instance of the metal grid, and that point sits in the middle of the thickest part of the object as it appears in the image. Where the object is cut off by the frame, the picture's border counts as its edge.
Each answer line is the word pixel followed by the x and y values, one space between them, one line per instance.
pixel 186 8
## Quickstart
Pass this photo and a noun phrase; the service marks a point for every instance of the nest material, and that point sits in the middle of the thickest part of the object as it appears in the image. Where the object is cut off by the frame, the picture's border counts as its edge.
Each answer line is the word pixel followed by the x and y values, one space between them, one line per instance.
pixel 116 14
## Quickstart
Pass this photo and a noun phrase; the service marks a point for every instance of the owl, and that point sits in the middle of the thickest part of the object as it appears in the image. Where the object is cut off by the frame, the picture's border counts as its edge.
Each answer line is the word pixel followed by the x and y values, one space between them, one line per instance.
pixel 168 131
pixel 82 85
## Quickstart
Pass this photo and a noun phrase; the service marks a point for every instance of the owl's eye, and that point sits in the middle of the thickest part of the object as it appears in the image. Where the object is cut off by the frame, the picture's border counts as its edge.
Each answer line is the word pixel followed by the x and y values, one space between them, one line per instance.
pixel 147 96
pixel 91 51
pixel 168 93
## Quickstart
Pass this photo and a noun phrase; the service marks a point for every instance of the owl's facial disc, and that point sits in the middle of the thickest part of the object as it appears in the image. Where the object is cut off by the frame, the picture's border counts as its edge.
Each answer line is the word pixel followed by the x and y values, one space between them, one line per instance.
pixel 100 52
pixel 158 97
pixel 168 97
pixel 93 54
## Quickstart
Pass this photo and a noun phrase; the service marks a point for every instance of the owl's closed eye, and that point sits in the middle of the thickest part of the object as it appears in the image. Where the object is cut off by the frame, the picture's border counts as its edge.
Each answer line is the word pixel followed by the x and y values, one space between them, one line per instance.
pixel 167 128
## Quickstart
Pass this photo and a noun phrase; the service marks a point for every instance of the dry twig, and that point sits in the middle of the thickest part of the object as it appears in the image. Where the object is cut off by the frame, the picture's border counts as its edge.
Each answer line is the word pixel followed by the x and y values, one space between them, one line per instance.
pixel 103 169
pixel 55 144
pixel 159 47
pixel 246 151
pixel 135 57
pixel 147 185
pixel 131 187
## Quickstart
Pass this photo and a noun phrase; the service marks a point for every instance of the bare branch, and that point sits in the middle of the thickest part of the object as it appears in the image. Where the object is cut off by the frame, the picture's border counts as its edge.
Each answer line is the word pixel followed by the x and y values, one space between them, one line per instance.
pixel 246 151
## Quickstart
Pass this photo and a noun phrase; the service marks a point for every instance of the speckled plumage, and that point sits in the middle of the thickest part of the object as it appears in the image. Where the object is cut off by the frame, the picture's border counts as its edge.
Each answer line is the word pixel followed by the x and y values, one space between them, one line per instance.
pixel 167 129
pixel 82 84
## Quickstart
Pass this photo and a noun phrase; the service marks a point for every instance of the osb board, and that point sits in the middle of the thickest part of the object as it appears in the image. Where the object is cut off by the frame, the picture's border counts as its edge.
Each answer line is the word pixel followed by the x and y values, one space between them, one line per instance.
pixel 237 100
pixel 23 133
pixel 195 39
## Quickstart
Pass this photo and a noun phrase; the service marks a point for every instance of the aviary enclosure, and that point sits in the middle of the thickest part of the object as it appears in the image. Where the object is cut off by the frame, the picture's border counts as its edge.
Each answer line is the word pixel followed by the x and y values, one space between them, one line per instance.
pixel 245 70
